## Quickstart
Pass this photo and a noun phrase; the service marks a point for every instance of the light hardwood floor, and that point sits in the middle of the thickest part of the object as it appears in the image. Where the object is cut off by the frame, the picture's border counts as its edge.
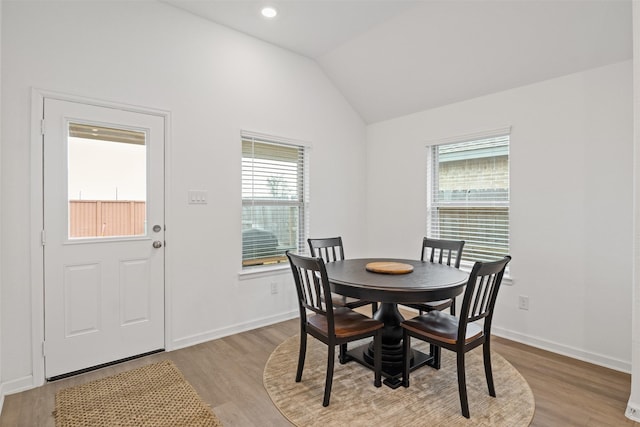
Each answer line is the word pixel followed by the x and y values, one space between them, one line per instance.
pixel 227 373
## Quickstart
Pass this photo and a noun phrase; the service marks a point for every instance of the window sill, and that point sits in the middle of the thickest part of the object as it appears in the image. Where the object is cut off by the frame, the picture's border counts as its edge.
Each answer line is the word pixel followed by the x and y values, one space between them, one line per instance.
pixel 506 279
pixel 257 272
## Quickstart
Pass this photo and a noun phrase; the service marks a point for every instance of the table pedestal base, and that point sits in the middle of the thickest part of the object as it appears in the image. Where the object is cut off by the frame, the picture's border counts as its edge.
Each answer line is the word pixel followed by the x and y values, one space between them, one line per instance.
pixel 389 314
pixel 391 362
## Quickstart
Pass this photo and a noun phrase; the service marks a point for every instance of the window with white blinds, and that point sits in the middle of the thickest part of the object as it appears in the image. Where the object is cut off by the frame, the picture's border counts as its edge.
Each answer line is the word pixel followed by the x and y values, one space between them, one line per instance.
pixel 468 184
pixel 274 200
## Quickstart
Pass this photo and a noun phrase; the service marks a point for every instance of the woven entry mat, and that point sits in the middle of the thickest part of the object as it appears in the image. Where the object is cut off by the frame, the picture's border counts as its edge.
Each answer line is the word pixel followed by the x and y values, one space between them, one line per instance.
pixel 154 395
pixel 431 399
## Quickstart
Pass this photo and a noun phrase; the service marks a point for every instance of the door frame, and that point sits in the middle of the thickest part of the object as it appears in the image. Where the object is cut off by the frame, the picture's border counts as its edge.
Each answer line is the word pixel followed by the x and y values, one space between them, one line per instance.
pixel 37 218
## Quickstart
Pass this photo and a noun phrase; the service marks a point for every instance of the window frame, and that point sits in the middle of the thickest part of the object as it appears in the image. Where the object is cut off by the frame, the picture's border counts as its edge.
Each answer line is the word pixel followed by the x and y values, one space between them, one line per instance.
pixel 432 185
pixel 301 202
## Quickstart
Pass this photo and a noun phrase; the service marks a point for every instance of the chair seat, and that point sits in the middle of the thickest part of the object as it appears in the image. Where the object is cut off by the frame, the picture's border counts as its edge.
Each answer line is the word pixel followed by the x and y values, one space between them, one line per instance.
pixel 348 323
pixel 343 301
pixel 432 305
pixel 441 327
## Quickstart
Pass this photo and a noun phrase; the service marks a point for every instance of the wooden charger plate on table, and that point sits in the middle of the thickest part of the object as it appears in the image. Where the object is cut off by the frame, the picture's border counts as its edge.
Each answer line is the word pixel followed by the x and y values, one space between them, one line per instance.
pixel 389 267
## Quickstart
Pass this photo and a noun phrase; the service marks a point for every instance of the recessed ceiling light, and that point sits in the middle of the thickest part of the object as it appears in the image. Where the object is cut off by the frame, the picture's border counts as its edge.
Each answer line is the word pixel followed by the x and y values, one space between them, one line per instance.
pixel 269 12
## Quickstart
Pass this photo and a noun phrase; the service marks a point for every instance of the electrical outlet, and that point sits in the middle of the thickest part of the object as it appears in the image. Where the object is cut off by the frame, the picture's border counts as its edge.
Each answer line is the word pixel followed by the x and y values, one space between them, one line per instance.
pixel 274 287
pixel 523 302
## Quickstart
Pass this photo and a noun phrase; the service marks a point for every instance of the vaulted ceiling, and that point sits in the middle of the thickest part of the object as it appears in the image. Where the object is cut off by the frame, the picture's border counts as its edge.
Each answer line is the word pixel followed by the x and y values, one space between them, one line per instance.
pixel 392 57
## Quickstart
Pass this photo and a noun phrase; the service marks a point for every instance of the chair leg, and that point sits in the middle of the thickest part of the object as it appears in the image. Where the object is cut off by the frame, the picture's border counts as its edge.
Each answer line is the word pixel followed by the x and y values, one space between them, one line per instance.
pixel 374 308
pixel 452 308
pixel 462 385
pixel 406 357
pixel 486 352
pixel 436 353
pixel 342 357
pixel 331 354
pixel 301 355
pixel 377 359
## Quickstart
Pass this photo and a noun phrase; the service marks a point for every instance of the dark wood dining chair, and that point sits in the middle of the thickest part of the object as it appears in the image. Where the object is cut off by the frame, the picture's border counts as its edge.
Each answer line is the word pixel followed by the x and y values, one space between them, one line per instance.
pixel 443 252
pixel 332 326
pixel 331 249
pixel 461 334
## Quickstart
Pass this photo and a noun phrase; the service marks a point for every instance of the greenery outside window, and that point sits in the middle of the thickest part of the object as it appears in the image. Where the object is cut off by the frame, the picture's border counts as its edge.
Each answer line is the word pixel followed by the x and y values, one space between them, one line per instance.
pixel 274 199
pixel 468 184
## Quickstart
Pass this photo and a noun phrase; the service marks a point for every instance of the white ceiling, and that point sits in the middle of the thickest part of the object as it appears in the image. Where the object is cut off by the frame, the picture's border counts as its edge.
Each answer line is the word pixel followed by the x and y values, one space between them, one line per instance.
pixel 392 57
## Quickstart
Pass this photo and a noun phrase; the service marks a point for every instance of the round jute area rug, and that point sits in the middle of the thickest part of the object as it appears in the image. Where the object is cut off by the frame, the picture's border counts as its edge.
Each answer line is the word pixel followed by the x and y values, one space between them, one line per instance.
pixel 431 399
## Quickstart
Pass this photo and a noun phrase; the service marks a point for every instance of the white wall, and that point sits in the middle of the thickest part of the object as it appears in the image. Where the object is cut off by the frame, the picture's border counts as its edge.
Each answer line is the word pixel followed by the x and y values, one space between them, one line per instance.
pixel 214 81
pixel 571 204
pixel 1 376
pixel 633 405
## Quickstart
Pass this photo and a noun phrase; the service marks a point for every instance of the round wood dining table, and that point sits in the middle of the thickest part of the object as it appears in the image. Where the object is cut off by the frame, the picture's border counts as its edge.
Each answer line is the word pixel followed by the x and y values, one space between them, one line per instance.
pixel 417 281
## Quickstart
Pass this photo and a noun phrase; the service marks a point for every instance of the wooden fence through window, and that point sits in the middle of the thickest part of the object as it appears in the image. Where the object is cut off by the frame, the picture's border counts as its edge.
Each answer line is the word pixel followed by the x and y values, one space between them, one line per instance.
pixel 100 218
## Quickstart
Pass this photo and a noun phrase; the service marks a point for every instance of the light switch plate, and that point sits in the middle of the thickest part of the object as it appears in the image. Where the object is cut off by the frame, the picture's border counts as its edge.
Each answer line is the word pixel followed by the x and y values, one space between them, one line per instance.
pixel 197 197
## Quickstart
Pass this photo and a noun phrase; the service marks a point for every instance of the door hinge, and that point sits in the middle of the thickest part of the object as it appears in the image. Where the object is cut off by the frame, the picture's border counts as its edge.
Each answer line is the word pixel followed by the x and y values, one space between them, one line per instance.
pixel 43 237
pixel 42 127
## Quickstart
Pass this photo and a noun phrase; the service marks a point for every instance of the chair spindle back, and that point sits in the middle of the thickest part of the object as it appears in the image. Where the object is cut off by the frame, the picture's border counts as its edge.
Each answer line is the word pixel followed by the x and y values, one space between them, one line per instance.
pixel 312 284
pixel 481 293
pixel 442 251
pixel 329 249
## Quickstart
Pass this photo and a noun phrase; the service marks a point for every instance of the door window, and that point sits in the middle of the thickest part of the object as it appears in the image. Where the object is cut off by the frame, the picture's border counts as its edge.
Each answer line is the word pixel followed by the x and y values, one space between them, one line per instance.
pixel 107 181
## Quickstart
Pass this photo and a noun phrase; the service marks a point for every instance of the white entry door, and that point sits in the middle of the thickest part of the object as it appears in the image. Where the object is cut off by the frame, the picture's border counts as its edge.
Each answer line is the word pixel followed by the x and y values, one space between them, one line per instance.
pixel 103 235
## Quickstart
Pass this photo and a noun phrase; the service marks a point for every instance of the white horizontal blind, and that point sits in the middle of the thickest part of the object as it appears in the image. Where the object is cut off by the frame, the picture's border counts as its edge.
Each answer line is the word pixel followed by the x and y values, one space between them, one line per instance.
pixel 469 196
pixel 274 200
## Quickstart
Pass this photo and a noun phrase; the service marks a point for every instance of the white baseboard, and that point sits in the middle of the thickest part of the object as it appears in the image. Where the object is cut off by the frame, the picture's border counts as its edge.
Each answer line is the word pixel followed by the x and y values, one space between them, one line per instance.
pixel 565 350
pixel 26 383
pixel 230 330
pixel 632 412
pixel 573 352
pixel 15 386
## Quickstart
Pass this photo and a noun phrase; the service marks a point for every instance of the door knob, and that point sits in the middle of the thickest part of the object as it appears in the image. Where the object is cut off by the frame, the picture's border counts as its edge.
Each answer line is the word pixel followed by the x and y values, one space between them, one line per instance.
pixel 157 244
